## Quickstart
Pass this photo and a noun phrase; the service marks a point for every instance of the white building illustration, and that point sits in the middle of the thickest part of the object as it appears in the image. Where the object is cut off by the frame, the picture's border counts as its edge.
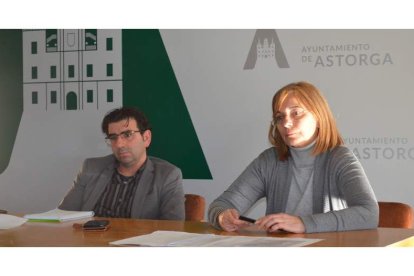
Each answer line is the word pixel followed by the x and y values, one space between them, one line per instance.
pixel 266 50
pixel 72 69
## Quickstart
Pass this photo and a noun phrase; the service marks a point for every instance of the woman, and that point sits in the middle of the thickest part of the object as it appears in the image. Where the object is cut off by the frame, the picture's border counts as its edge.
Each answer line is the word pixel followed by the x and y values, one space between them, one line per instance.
pixel 311 181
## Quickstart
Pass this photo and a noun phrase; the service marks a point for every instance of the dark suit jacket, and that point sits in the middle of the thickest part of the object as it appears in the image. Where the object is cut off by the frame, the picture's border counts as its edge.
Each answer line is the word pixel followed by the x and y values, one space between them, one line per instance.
pixel 159 194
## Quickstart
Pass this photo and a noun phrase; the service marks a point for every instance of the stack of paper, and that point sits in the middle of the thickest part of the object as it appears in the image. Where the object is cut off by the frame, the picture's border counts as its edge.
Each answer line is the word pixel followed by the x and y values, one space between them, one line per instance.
pixel 57 215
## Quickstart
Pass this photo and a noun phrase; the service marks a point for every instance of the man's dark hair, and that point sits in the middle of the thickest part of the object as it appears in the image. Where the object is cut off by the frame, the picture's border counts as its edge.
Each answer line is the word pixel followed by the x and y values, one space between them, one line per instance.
pixel 125 113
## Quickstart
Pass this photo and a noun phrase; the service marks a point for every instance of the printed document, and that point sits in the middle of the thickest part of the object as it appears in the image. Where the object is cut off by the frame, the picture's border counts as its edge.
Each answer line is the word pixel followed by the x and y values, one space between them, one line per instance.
pixel 175 238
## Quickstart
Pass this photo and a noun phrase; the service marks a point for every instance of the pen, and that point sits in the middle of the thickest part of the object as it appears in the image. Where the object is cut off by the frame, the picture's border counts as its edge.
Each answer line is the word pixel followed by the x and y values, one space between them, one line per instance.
pixel 247 219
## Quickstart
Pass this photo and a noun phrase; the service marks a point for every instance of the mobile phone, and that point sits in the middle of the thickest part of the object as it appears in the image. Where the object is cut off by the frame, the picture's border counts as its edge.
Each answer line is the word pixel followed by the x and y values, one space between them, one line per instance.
pixel 96 225
pixel 247 219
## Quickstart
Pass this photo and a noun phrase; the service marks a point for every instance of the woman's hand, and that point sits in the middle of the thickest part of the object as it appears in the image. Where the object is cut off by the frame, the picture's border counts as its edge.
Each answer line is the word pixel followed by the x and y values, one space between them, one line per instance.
pixel 281 221
pixel 229 220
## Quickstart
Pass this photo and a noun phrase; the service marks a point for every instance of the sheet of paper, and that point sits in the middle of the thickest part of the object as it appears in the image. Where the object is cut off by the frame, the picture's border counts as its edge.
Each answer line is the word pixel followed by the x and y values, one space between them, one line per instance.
pixel 174 238
pixel 408 242
pixel 9 221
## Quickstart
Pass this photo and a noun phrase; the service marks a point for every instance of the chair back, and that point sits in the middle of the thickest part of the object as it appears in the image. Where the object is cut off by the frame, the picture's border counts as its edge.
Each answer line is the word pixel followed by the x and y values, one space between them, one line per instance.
pixel 194 207
pixel 395 215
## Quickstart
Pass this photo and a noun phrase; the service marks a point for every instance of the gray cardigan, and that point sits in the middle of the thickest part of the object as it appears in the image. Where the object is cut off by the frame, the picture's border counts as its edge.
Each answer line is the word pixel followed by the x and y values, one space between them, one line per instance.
pixel 159 194
pixel 342 196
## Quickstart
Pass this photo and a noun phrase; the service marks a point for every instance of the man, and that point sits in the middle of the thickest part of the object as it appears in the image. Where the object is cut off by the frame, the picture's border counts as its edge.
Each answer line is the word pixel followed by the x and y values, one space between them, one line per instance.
pixel 127 183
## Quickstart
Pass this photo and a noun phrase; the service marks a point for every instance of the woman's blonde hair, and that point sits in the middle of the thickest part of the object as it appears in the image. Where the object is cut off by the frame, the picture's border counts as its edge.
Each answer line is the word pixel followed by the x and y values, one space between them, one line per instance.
pixel 310 98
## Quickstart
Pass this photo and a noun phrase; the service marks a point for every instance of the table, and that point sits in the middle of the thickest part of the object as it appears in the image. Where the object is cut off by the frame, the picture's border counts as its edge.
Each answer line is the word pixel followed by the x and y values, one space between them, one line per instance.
pixel 41 234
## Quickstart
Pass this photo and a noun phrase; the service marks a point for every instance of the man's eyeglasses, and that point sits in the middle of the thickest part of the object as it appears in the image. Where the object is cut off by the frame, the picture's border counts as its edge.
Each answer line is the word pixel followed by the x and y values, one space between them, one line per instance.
pixel 125 135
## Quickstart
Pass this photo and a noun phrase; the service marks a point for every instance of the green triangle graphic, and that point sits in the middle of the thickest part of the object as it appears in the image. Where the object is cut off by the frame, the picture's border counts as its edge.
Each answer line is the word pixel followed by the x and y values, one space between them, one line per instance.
pixel 149 83
pixel 11 91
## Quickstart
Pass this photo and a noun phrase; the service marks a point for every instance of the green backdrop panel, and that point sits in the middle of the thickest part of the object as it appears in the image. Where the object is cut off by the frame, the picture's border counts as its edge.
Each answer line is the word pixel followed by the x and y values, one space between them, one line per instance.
pixel 11 91
pixel 149 83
